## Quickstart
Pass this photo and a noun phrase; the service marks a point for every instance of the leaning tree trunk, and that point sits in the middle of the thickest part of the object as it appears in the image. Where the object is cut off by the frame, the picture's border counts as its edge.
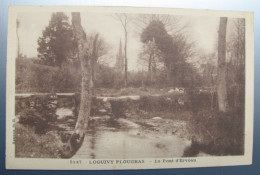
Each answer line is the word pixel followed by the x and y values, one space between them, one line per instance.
pixel 149 77
pixel 221 83
pixel 86 87
pixel 94 58
pixel 86 83
pixel 126 82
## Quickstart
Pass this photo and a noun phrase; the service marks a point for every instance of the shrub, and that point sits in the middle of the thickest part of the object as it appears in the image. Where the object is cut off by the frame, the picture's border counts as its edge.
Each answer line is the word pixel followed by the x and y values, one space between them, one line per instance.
pixel 37 114
pixel 218 133
pixel 29 144
pixel 32 118
pixel 160 103
pixel 34 77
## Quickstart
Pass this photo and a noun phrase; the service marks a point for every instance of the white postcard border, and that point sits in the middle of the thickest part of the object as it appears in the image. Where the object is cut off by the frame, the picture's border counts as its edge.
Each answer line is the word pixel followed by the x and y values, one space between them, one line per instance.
pixel 66 164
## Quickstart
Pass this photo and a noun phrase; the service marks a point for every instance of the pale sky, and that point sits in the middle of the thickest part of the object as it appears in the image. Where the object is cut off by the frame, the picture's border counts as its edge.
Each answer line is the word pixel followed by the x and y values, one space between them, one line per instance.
pixel 202 30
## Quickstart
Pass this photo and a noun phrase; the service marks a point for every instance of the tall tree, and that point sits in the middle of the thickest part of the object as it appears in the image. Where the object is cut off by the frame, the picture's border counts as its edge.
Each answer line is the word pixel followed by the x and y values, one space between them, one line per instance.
pixel 86 87
pixel 221 82
pixel 156 31
pixel 124 19
pixel 18 38
pixel 56 42
pixel 174 25
pixel 152 58
pixel 97 48
pixel 236 62
pixel 119 59
pixel 175 50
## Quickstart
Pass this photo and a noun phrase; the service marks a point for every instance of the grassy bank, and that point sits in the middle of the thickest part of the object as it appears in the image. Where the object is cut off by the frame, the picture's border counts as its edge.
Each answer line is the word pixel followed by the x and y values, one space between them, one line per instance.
pixel 217 133
pixel 28 144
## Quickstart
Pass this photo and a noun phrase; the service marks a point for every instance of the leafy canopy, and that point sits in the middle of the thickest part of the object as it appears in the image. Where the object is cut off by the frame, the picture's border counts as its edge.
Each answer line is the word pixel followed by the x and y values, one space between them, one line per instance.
pixel 57 42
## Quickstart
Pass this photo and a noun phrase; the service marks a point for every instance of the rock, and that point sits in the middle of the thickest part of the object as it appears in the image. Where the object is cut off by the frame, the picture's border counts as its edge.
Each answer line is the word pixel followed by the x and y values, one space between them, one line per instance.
pixel 156 129
pixel 22 95
pixel 131 97
pixel 102 110
pixel 157 118
pixel 54 102
pixel 105 117
pixel 160 145
pixel 65 94
pixel 181 91
pixel 128 123
pixel 121 98
pixel 63 113
pixel 171 91
pixel 180 101
pixel 70 121
pixel 51 106
pixel 128 114
pixel 174 131
pixel 202 154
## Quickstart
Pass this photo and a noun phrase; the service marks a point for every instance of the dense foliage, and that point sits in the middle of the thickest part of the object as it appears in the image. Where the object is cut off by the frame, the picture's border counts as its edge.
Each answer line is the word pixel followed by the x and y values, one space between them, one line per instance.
pixel 57 44
pixel 168 54
pixel 34 77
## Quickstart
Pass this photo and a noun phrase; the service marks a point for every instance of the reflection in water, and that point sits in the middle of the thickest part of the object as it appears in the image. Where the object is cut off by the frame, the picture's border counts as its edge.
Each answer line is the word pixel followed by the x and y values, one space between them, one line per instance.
pixel 104 142
pixel 92 139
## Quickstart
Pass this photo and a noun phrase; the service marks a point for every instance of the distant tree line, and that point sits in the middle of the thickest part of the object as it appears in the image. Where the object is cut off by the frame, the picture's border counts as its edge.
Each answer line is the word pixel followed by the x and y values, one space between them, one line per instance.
pixel 164 57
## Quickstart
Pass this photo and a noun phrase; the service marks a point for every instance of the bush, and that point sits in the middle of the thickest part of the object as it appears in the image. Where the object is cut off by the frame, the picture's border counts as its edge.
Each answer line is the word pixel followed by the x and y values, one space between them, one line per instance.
pixel 160 103
pixel 218 133
pixel 34 77
pixel 105 77
pixel 29 144
pixel 35 119
pixel 35 112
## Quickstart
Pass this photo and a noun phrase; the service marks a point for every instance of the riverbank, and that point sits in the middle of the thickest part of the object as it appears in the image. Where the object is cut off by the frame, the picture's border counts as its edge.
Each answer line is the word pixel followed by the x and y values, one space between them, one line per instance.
pixel 31 145
pixel 169 114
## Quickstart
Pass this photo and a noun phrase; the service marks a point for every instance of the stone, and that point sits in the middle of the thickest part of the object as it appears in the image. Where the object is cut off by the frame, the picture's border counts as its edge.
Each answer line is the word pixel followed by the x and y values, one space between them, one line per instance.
pixel 171 91
pixel 63 113
pixel 102 110
pixel 157 118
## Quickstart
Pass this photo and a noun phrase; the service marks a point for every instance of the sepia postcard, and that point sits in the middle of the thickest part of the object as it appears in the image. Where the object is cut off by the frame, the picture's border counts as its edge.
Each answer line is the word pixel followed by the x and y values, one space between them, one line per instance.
pixel 96 88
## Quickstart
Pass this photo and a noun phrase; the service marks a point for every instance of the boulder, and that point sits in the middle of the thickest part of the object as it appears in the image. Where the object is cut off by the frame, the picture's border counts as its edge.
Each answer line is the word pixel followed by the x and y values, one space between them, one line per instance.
pixel 157 118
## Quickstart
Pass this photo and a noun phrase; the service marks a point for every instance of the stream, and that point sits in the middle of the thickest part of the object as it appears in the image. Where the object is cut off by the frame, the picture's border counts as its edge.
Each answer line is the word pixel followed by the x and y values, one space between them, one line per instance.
pixel 129 141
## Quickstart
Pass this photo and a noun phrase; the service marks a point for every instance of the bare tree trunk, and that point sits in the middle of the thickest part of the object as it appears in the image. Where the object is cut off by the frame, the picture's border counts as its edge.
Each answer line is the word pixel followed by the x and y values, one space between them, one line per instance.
pixel 169 73
pixel 124 19
pixel 18 39
pixel 221 83
pixel 126 82
pixel 87 83
pixel 150 69
pixel 94 60
pixel 77 137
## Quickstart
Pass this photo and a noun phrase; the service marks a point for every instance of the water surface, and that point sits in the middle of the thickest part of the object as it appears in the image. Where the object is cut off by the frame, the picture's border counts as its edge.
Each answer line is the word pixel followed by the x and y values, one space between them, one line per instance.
pixel 112 143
